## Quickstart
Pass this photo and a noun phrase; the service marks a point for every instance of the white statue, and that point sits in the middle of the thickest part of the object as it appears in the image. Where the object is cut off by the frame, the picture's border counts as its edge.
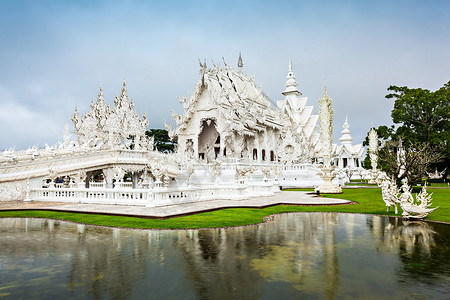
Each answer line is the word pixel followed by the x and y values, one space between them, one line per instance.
pixel 390 192
pixel 415 209
pixel 327 172
pixel 436 174
pixel 373 153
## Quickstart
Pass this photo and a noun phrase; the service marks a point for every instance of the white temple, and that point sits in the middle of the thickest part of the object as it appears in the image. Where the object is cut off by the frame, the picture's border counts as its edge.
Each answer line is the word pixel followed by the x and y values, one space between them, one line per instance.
pixel 346 154
pixel 232 144
pixel 229 117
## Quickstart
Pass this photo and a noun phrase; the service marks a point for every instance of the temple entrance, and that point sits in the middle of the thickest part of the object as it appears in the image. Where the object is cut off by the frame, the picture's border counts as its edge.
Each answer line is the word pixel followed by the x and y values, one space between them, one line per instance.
pixel 208 141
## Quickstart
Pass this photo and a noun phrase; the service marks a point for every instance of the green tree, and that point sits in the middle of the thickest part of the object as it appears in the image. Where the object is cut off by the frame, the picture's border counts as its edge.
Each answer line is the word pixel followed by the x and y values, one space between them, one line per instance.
pixel 161 140
pixel 422 124
pixel 423 117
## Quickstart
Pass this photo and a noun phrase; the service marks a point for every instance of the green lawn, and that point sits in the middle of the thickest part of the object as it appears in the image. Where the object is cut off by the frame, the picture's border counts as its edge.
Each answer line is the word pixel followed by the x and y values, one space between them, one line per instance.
pixel 369 202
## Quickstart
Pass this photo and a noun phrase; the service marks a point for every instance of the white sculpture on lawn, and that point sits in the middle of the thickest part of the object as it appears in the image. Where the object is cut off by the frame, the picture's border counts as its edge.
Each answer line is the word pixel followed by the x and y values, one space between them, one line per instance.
pixel 373 153
pixel 327 171
pixel 390 193
pixel 417 209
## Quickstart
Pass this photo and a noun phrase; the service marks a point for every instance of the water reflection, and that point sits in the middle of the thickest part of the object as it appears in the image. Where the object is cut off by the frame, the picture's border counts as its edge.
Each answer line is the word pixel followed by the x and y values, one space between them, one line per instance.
pixel 322 255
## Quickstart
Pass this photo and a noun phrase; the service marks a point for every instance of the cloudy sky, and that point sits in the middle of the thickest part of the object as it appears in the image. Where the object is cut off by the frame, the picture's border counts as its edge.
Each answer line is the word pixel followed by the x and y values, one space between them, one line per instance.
pixel 55 54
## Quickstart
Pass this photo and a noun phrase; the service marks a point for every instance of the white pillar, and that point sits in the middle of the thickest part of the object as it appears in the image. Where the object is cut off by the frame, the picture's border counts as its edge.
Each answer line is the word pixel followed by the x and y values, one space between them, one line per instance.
pixel 135 179
pixel 108 174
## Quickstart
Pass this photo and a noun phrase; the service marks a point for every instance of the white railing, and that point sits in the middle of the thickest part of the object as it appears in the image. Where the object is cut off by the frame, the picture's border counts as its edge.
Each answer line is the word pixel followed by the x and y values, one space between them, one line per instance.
pixel 299 167
pixel 93 195
pixel 158 196
pixel 123 185
pixel 130 154
pixel 100 184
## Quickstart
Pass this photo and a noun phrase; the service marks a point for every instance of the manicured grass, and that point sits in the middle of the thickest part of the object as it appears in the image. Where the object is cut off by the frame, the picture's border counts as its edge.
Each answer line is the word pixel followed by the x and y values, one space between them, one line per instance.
pixel 369 202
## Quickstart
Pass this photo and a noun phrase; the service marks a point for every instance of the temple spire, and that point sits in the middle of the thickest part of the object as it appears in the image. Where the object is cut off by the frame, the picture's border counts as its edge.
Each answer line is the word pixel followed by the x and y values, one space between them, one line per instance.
pixel 240 63
pixel 291 83
pixel 346 138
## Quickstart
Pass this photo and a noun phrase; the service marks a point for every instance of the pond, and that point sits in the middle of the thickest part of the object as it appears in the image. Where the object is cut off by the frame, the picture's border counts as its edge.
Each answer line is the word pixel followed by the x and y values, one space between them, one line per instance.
pixel 307 255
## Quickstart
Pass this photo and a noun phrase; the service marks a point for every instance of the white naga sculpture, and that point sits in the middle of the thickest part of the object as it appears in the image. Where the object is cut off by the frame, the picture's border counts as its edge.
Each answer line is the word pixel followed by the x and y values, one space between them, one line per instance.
pixel 436 174
pixel 326 138
pixel 417 209
pixel 373 153
pixel 390 193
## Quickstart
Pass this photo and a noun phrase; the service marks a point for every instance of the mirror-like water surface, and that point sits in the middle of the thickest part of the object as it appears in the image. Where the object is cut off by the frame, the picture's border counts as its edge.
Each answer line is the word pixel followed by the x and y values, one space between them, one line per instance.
pixel 308 255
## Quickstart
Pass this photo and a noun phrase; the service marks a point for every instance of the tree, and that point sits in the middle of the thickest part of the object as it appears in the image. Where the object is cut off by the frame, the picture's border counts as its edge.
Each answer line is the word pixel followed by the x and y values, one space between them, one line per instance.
pixel 422 127
pixel 407 159
pixel 423 117
pixel 161 140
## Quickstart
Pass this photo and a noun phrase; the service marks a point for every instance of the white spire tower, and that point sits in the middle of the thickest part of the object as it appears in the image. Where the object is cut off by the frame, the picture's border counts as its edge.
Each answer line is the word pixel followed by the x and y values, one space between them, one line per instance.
pixel 240 63
pixel 291 83
pixel 346 138
pixel 326 138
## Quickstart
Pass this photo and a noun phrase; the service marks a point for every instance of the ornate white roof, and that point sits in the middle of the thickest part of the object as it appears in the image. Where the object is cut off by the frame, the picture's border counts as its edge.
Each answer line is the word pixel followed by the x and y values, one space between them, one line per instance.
pixel 235 95
pixel 107 127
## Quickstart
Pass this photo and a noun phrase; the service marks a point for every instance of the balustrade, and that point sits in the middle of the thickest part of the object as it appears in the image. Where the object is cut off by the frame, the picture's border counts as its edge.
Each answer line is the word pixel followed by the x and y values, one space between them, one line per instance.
pixel 157 196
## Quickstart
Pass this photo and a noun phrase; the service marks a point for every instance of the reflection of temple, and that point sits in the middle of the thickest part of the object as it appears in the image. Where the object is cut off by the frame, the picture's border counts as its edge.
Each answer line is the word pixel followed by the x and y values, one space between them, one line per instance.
pixel 301 251
pixel 90 259
pixel 208 264
pixel 295 255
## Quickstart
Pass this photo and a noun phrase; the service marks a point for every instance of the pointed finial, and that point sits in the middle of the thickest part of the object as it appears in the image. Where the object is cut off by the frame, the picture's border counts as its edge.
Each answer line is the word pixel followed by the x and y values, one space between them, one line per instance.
pixel 124 83
pixel 291 83
pixel 346 118
pixel 324 86
pixel 101 87
pixel 240 63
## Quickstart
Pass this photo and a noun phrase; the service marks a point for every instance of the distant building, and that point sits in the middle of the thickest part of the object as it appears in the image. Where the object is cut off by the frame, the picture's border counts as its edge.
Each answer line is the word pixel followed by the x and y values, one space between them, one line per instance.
pixel 346 154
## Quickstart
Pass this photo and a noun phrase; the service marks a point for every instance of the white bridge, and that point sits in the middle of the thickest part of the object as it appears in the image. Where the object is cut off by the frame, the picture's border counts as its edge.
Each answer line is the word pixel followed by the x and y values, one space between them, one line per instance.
pixel 128 177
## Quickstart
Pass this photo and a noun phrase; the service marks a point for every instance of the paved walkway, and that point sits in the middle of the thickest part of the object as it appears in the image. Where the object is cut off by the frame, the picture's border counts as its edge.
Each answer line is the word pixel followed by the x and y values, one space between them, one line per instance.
pixel 284 197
